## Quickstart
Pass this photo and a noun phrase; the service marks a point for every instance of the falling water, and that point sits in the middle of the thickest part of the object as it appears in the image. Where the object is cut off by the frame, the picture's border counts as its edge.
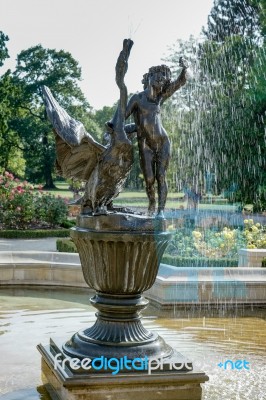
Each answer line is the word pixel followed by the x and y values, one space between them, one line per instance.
pixel 216 122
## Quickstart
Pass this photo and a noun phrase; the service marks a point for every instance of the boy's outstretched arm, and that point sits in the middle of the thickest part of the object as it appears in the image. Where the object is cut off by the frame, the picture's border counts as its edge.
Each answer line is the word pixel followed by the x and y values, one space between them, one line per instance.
pixel 178 83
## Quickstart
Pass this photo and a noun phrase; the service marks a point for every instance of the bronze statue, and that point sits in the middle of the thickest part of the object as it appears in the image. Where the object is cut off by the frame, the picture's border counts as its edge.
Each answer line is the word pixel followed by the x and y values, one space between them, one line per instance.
pixel 153 142
pixel 105 168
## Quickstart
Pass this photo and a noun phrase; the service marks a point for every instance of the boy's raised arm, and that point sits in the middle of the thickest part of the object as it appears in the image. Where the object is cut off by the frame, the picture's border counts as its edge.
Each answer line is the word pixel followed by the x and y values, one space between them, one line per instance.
pixel 179 82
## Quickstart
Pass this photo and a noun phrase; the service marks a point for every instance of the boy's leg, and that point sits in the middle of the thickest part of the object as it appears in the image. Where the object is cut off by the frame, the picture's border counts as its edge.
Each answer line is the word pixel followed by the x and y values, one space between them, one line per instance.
pixel 148 168
pixel 161 169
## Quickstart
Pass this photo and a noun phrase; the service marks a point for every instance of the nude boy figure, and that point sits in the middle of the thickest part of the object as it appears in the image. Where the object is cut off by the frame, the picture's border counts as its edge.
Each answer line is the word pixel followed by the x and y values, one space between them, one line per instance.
pixel 153 142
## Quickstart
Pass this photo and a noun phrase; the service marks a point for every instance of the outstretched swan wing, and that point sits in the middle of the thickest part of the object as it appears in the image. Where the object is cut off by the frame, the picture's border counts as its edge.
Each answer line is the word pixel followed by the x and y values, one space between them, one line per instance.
pixel 77 152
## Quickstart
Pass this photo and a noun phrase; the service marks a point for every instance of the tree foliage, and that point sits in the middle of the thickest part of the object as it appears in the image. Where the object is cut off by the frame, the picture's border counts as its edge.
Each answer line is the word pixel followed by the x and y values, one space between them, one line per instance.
pixel 9 140
pixel 235 104
pixel 233 17
pixel 225 123
pixel 3 49
pixel 58 70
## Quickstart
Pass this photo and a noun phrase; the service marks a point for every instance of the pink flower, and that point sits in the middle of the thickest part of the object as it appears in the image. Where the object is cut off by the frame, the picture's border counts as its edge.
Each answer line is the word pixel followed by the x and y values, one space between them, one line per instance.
pixel 9 175
pixel 18 209
pixel 20 190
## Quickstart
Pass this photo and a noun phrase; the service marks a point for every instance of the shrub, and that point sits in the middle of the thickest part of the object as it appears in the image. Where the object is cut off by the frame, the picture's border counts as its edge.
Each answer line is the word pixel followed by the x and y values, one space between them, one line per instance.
pixel 17 203
pixel 255 235
pixel 66 246
pixel 213 248
pixel 212 244
pixel 22 207
pixel 68 223
pixel 33 233
pixel 182 243
pixel 52 210
pixel 202 262
pixel 208 243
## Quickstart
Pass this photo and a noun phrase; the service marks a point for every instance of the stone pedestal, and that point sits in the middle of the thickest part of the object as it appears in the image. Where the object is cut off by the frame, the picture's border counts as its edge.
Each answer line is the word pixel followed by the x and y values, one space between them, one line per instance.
pixel 120 256
pixel 63 384
pixel 251 258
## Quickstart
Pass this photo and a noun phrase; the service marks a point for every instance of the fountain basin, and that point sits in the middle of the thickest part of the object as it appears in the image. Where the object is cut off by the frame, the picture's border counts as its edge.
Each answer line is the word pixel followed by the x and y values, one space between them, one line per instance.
pixel 206 335
pixel 173 285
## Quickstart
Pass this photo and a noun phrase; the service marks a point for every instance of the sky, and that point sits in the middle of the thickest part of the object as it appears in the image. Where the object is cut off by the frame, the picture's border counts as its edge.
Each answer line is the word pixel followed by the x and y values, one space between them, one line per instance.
pixel 93 32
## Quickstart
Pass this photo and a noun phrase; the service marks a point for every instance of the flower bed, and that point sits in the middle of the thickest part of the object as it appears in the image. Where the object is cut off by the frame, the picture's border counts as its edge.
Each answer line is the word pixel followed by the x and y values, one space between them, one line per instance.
pixel 22 206
pixel 213 248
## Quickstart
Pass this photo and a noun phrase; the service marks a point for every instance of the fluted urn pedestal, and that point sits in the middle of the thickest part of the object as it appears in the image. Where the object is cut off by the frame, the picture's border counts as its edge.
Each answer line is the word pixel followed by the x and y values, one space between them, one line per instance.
pixel 120 256
pixel 119 264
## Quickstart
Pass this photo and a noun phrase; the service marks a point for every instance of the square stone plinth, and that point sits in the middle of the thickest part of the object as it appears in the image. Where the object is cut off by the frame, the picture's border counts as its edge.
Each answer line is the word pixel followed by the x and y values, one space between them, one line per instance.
pixel 63 384
pixel 251 258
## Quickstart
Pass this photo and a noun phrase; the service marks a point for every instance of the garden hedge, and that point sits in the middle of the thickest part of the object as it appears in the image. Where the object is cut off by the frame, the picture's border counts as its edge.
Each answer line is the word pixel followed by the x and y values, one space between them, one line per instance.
pixel 178 261
pixel 33 233
pixel 66 246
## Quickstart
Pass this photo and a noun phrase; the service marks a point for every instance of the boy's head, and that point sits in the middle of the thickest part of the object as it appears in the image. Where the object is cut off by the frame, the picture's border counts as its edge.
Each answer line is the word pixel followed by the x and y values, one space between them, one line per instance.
pixel 158 75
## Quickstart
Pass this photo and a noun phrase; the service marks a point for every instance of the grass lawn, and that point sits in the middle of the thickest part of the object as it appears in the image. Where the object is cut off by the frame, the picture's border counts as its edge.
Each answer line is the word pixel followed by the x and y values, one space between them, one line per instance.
pixel 61 190
pixel 139 199
pixel 127 197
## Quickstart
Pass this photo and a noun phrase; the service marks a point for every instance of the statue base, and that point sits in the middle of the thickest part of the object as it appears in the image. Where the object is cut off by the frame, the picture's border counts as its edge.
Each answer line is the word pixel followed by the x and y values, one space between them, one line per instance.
pixel 162 383
pixel 117 358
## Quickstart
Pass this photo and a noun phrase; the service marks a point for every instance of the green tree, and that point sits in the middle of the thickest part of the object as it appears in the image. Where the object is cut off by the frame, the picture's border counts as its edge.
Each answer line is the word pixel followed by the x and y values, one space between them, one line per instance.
pixel 233 17
pixel 11 155
pixel 232 63
pixel 261 9
pixel 231 128
pixel 3 49
pixel 105 114
pixel 59 71
pixel 224 129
